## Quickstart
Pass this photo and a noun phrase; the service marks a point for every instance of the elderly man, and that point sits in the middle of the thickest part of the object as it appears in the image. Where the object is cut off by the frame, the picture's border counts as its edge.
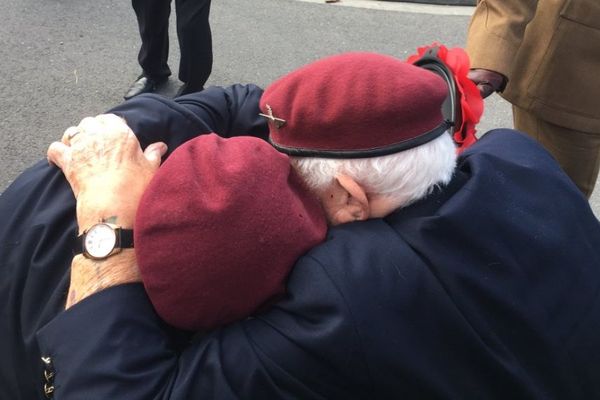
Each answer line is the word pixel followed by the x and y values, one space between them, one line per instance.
pixel 38 229
pixel 443 278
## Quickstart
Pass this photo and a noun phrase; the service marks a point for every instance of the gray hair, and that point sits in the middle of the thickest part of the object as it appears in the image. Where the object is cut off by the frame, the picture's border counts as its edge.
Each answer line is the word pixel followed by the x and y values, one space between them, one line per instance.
pixel 403 177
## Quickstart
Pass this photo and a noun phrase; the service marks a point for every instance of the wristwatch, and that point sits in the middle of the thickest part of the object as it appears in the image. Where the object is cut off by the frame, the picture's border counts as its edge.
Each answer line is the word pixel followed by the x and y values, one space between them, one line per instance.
pixel 102 240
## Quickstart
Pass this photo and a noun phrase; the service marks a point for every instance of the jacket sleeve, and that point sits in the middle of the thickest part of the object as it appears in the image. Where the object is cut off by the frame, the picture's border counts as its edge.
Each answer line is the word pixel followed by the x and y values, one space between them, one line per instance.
pixel 496 31
pixel 226 111
pixel 113 346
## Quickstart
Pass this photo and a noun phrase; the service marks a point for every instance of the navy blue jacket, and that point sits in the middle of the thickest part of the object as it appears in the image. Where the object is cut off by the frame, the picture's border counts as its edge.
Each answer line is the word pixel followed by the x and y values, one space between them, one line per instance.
pixel 489 288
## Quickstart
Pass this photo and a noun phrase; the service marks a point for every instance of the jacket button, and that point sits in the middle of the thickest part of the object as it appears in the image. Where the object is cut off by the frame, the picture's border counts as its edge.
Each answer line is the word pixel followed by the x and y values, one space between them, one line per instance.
pixel 48 390
pixel 48 377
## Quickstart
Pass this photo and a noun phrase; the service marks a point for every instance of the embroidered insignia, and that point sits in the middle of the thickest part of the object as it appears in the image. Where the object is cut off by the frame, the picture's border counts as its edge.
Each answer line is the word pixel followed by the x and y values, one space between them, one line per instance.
pixel 278 122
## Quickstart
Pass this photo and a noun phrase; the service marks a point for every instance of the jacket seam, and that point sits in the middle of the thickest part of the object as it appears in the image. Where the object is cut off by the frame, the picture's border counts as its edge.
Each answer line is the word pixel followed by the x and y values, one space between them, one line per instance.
pixel 353 319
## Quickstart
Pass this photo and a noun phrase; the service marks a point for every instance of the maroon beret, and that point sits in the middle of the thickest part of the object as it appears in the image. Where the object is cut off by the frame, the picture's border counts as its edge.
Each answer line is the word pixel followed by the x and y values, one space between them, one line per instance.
pixel 219 228
pixel 354 105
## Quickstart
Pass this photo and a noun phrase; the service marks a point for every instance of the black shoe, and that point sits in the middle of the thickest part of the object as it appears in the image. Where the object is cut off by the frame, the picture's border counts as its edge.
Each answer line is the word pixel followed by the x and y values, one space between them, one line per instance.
pixel 143 84
pixel 185 89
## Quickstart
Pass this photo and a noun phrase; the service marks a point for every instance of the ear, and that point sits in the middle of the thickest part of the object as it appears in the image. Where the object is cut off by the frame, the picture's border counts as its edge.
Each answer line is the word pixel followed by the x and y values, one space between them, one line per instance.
pixel 352 203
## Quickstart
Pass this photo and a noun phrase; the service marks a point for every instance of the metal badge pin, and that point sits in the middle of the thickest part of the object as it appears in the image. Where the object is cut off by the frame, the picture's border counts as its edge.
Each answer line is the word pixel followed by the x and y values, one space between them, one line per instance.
pixel 278 122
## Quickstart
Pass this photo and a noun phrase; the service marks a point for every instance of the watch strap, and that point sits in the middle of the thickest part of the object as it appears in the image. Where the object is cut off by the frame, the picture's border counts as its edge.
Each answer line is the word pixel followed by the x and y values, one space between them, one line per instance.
pixel 79 244
pixel 125 238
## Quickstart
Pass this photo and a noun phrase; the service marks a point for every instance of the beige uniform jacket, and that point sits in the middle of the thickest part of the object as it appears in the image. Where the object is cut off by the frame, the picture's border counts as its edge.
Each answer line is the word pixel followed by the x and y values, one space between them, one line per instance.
pixel 550 52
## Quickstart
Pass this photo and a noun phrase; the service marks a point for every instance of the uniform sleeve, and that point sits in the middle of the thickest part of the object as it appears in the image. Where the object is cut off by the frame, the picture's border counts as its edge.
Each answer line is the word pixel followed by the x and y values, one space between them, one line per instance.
pixel 113 346
pixel 226 111
pixel 496 31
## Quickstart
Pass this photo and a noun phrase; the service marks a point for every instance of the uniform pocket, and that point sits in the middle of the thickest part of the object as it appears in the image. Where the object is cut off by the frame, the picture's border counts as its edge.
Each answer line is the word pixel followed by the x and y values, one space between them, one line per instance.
pixel 584 12
pixel 568 77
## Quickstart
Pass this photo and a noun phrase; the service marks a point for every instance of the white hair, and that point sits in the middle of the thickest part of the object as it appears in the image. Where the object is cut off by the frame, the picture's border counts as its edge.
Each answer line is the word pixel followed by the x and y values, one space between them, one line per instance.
pixel 403 177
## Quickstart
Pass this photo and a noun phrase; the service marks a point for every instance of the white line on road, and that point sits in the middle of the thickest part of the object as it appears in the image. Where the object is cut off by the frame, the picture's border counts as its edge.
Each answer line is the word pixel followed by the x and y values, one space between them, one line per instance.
pixel 401 7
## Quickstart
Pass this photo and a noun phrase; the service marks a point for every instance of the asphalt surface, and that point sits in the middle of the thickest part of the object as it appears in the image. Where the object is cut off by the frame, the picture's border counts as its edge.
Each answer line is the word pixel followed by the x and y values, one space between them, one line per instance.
pixel 63 60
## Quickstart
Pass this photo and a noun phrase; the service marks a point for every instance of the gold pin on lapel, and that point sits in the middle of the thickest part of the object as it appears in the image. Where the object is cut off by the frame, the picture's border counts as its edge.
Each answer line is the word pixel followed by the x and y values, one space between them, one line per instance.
pixel 278 122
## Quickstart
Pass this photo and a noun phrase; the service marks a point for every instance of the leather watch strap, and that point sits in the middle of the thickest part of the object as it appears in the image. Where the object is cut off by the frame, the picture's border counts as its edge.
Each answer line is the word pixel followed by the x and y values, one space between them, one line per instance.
pixel 126 238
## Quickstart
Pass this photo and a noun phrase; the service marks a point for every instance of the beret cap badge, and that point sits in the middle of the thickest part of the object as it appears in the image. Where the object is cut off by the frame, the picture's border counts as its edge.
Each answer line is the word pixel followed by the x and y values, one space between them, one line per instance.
pixel 277 122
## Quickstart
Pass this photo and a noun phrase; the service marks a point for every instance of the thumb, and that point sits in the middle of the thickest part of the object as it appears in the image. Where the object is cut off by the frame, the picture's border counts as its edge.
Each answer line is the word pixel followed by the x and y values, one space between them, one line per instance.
pixel 154 153
pixel 59 154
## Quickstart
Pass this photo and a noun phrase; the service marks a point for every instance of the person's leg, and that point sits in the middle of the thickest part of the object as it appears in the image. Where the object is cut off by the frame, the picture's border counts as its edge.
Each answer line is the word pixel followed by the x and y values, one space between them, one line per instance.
pixel 195 43
pixel 153 21
pixel 577 152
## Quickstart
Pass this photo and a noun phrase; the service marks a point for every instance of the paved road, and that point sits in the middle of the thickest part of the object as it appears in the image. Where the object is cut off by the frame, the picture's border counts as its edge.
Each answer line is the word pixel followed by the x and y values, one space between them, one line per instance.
pixel 66 59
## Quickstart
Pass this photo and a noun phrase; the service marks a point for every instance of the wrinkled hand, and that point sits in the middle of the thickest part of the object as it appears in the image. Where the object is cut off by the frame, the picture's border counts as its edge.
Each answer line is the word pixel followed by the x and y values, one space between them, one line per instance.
pixel 106 168
pixel 487 81
pixel 108 172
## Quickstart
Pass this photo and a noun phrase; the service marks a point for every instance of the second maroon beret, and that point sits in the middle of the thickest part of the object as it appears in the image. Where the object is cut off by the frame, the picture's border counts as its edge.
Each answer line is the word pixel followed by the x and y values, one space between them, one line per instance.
pixel 219 228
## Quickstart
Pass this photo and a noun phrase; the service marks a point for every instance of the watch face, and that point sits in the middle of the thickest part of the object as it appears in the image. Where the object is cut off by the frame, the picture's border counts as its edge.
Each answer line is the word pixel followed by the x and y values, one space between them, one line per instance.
pixel 100 241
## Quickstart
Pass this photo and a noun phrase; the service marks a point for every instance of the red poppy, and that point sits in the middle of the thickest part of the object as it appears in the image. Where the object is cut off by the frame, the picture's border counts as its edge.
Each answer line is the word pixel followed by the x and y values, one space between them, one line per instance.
pixel 471 102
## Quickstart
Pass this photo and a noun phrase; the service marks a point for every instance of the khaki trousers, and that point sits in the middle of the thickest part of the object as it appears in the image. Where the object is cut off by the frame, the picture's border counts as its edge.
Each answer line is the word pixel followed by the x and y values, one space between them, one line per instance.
pixel 578 153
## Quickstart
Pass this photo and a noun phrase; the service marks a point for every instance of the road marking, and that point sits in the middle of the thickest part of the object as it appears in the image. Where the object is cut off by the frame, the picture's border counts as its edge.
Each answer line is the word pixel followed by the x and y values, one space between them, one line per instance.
pixel 400 7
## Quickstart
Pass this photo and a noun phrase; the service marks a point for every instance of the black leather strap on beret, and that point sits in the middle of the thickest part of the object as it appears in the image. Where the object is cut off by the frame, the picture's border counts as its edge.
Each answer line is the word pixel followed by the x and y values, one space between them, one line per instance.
pixel 366 153
pixel 450 108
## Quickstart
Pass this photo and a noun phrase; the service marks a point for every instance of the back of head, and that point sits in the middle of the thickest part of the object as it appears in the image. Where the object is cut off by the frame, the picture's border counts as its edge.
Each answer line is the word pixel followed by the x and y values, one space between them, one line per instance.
pixel 219 229
pixel 364 106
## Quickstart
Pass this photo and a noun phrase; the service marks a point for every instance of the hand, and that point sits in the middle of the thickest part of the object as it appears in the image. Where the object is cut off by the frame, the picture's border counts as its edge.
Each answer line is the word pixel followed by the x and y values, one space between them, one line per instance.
pixel 106 168
pixel 487 81
pixel 108 172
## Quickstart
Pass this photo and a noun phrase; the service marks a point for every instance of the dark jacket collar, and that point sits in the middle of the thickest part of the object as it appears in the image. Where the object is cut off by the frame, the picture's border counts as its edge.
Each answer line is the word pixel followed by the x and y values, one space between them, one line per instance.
pixel 431 203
